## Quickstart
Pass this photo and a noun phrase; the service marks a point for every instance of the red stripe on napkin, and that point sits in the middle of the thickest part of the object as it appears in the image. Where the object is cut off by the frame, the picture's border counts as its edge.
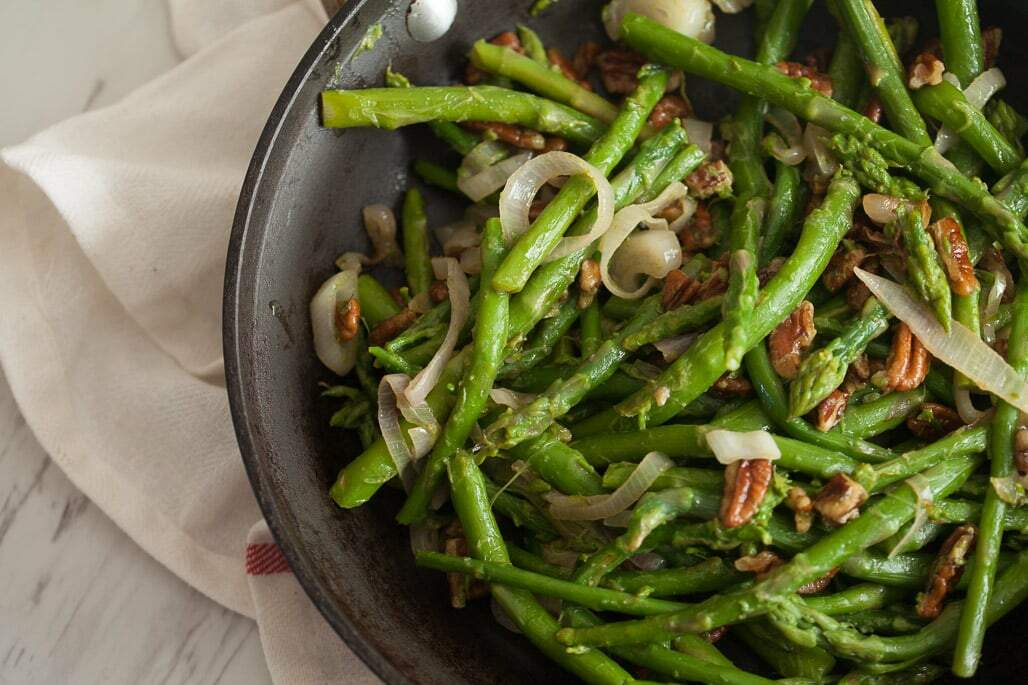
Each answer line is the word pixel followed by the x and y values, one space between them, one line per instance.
pixel 264 559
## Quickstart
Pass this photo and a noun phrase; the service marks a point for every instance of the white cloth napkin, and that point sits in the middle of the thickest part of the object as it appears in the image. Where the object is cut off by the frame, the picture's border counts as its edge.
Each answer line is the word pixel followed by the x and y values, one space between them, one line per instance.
pixel 113 232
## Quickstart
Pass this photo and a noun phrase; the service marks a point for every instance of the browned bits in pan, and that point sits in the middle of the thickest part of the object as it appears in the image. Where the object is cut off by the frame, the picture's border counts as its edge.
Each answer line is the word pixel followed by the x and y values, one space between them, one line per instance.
pixel 790 338
pixel 819 81
pixel 669 108
pixel 908 361
pixel 840 499
pixel 746 483
pixel 932 421
pixel 517 136
pixel 348 320
pixel 925 70
pixel 947 569
pixel 952 248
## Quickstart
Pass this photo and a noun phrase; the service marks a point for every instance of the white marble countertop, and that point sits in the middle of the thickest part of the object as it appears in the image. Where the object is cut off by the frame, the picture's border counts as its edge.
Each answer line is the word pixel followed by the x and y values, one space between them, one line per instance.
pixel 81 602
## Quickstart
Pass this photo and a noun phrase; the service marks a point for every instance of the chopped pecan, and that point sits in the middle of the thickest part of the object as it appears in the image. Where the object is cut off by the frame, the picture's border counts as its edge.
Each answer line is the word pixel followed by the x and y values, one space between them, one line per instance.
pixel 856 295
pixel 712 636
pixel 699 233
pixel 733 386
pixel 679 289
pixel 790 338
pixel 391 327
pixel 517 136
pixel 588 282
pixel 873 109
pixel 840 499
pixel 859 373
pixel 802 506
pixel 991 39
pixel 618 69
pixel 585 59
pixel 908 361
pixel 348 320
pixel 1021 450
pixel 829 411
pixel 562 63
pixel 716 284
pixel 669 108
pixel 746 483
pixel 925 70
pixel 438 291
pixel 761 563
pixel 932 421
pixel 766 273
pixel 819 81
pixel 555 144
pixel 946 570
pixel 840 268
pixel 818 585
pixel 712 178
pixel 952 249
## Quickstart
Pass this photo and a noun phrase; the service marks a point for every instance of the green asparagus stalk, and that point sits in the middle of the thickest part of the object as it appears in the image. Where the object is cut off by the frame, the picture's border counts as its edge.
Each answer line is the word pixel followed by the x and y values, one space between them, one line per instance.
pixel 521 512
pixel 960 511
pixel 436 175
pixel 591 329
pixel 871 169
pixel 377 304
pixel 968 440
pixel 873 418
pixel 961 39
pixel 741 298
pixel 460 140
pixel 846 71
pixel 532 44
pixel 790 660
pixel 542 236
pixel 783 210
pixel 712 575
pixel 673 322
pixel 924 271
pixel 418 264
pixel 862 597
pixel 708 480
pixel 824 370
pixel 559 464
pixel 1009 122
pixel 542 341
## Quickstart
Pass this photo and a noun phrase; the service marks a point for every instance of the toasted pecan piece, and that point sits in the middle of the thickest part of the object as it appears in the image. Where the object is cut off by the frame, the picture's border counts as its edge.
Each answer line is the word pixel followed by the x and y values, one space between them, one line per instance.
pixel 840 268
pixel 830 410
pixel 699 233
pixel 925 70
pixel 908 361
pixel 946 570
pixel 669 108
pixel 733 386
pixel 679 289
pixel 710 179
pixel 517 136
pixel 392 327
pixel 802 506
pixel 588 282
pixel 839 500
pixel 746 483
pixel 953 251
pixel 819 81
pixel 932 421
pixel 761 563
pixel 790 338
pixel 348 320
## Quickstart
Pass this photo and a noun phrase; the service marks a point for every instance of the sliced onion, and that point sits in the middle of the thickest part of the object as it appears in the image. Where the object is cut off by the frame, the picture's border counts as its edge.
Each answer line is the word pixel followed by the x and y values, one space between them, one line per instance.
pixel 424 538
pixel 881 209
pixel 1010 489
pixel 390 392
pixel 420 303
pixel 522 186
pixel 351 261
pixel 960 348
pixel 333 293
pixel 965 407
pixel 732 446
pixel 457 284
pixel 489 180
pixel 648 561
pixel 1000 285
pixel 674 347
pixel 471 261
pixel 453 238
pixel 597 507
pixel 510 398
pixel 821 157
pixel 923 489
pixel 655 255
pixel 693 18
pixel 482 156
pixel 978 93
pixel 789 148
pixel 700 133
pixel 380 224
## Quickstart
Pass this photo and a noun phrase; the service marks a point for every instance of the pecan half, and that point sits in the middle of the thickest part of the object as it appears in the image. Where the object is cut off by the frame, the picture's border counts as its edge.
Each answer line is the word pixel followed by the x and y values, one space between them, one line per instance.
pixel 679 289
pixel 348 320
pixel 790 338
pixel 565 67
pixel 840 499
pixel 932 421
pixel 618 69
pixel 391 327
pixel 716 284
pixel 1021 450
pixel 517 136
pixel 946 570
pixel 802 506
pixel 761 563
pixel 829 411
pixel 925 70
pixel 856 295
pixel 819 81
pixel 669 108
pixel 585 59
pixel 818 585
pixel 588 282
pixel 699 233
pixel 952 248
pixel 908 361
pixel 992 37
pixel 873 109
pixel 712 178
pixel 732 386
pixel 840 269
pixel 746 483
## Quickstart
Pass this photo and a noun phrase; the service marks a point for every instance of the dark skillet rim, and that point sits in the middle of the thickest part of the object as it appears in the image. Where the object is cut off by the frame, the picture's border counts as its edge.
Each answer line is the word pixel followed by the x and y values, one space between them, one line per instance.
pixel 233 333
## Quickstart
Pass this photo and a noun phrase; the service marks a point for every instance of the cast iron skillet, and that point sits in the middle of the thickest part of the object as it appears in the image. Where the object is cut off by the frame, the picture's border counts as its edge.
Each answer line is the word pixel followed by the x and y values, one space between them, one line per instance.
pixel 299 208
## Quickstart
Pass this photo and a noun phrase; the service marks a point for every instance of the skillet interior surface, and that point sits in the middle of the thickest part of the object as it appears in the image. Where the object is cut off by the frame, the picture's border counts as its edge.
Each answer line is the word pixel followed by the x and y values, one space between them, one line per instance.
pixel 299 209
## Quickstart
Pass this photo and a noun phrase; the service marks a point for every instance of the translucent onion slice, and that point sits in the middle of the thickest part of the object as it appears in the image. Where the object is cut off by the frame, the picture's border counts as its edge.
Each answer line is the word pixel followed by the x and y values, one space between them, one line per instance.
pixel 693 18
pixel 661 255
pixel 923 489
pixel 333 293
pixel 445 233
pixel 965 407
pixel 674 347
pixel 598 507
pixel 482 156
pixel 732 6
pixel 960 348
pixel 881 209
pixel 700 133
pixel 510 398
pixel 380 223
pixel 789 147
pixel 652 253
pixel 978 93
pixel 732 446
pixel 1000 285
pixel 471 261
pixel 464 235
pixel 522 186
pixel 424 538
pixel 820 156
pixel 486 182
pixel 1009 489
pixel 390 399
pixel 457 284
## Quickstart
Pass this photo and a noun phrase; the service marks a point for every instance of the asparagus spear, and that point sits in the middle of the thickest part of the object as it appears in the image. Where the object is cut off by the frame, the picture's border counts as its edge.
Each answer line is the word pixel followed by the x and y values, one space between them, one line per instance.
pixel 533 45
pixel 871 169
pixel 783 210
pixel 543 339
pixel 712 575
pixel 436 175
pixel 377 304
pixel 961 39
pixel 846 71
pixel 924 272
pixel 415 242
pixel 741 298
pixel 461 140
